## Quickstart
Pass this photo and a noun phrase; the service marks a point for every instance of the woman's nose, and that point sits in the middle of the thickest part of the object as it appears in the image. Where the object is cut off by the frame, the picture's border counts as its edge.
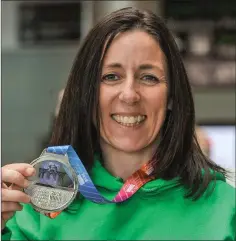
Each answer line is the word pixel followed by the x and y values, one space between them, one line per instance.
pixel 129 93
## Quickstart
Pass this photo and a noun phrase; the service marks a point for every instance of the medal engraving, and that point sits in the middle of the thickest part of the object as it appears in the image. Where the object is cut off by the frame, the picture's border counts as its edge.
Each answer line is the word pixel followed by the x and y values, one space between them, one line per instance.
pixel 49 198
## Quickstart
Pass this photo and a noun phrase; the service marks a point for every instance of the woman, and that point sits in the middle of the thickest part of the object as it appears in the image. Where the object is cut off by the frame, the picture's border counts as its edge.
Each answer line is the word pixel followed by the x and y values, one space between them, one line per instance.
pixel 128 101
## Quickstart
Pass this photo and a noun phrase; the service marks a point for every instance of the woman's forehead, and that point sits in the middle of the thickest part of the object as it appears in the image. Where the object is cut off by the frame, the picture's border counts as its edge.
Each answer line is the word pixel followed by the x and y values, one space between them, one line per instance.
pixel 134 47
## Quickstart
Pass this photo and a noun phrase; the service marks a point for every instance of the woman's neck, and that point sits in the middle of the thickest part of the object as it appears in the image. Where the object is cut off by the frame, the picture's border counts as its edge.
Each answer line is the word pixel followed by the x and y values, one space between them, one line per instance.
pixel 122 164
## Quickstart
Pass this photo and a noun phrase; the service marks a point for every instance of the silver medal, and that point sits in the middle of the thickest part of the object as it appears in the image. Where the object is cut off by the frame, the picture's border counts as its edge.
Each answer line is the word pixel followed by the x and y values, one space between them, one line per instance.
pixel 55 184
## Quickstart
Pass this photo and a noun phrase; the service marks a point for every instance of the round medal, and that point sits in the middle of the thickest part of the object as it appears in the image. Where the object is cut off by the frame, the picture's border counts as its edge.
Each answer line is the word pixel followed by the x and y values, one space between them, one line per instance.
pixel 55 184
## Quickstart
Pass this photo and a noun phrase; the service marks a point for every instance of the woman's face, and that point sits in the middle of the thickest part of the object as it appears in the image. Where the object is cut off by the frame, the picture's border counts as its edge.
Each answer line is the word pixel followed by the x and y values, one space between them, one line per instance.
pixel 133 92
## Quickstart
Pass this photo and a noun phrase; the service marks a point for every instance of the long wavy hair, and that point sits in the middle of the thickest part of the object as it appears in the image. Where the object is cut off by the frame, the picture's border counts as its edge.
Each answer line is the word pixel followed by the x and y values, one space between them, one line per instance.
pixel 178 153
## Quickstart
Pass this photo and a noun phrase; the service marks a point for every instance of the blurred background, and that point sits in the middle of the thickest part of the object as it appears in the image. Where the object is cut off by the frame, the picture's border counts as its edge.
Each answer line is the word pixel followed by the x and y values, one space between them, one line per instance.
pixel 40 40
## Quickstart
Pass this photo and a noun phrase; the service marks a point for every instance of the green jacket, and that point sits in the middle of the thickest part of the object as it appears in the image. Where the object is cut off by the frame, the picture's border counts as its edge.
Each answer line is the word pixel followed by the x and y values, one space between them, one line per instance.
pixel 158 211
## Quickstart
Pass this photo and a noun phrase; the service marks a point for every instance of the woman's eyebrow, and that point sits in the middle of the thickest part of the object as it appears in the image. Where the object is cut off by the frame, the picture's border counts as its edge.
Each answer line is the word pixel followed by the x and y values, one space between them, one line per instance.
pixel 141 67
pixel 113 65
pixel 149 66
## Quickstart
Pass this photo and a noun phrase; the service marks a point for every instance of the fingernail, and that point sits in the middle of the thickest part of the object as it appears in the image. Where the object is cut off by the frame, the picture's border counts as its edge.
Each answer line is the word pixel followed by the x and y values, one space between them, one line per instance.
pixel 26 183
pixel 30 171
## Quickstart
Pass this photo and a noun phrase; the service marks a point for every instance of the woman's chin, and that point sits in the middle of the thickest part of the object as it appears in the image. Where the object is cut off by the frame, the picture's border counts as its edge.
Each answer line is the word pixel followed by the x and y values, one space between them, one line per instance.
pixel 134 142
pixel 129 146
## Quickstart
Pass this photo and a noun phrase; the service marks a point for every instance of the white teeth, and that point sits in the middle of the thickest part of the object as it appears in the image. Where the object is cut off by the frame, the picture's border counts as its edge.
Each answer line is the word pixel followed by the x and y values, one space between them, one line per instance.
pixel 129 120
pixel 132 119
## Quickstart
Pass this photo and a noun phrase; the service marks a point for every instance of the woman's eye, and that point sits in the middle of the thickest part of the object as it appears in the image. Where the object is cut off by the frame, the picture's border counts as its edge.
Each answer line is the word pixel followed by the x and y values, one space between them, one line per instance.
pixel 110 77
pixel 150 79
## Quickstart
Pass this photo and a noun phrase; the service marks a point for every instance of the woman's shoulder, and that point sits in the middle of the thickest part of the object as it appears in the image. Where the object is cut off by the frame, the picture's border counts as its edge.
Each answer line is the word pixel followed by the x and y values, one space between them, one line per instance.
pixel 221 194
pixel 226 187
pixel 231 177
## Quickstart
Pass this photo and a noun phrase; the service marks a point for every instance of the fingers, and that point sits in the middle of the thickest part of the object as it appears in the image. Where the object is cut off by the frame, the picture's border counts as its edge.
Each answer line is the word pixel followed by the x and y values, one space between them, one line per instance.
pixel 24 168
pixel 13 180
pixel 14 187
pixel 15 173
pixel 11 207
pixel 14 196
pixel 11 187
pixel 12 176
pixel 5 216
pixel 4 185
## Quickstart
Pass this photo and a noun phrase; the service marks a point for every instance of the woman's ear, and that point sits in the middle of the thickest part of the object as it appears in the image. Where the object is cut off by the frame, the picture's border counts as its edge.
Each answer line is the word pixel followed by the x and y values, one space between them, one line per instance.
pixel 170 103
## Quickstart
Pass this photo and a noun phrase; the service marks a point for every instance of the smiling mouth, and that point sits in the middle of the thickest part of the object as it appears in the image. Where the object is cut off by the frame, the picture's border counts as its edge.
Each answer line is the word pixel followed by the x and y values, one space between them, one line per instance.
pixel 129 120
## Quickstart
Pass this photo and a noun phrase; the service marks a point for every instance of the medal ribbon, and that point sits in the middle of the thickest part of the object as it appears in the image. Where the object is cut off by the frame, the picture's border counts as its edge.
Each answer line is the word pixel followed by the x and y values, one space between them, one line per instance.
pixel 88 189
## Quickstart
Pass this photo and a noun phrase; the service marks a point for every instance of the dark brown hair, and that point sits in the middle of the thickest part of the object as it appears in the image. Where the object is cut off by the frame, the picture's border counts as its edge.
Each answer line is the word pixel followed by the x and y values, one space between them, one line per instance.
pixel 178 154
